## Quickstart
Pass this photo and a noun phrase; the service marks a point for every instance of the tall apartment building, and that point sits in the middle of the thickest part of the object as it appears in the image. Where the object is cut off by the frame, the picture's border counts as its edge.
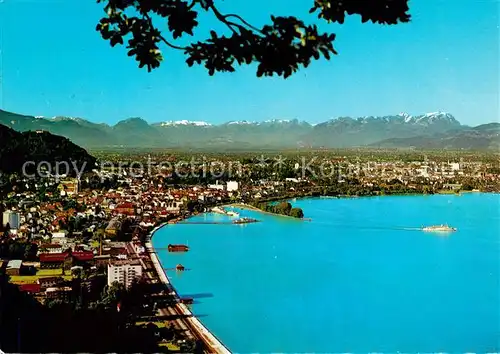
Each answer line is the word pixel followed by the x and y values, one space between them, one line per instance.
pixel 124 272
pixel 12 218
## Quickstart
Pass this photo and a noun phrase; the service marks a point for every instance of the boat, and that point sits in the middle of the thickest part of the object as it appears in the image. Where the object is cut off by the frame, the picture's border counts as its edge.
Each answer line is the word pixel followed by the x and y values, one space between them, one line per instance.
pixel 179 267
pixel 177 248
pixel 232 213
pixel 439 228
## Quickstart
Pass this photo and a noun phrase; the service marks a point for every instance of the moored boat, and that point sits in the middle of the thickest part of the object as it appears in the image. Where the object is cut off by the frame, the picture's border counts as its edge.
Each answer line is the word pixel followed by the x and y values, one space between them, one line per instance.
pixel 177 248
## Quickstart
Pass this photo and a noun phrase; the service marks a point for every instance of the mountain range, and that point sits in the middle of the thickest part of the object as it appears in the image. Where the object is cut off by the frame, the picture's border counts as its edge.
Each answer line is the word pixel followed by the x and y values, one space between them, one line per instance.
pixel 437 130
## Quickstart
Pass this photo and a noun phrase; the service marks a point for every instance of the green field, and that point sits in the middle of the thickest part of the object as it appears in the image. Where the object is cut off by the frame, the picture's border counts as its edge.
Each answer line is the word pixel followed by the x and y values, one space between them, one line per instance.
pixel 170 346
pixel 41 273
pixel 159 324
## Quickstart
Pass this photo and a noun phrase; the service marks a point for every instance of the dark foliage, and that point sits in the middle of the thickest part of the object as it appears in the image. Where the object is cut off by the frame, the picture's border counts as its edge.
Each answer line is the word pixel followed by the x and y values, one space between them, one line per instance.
pixel 283 208
pixel 26 326
pixel 18 148
pixel 16 249
pixel 280 47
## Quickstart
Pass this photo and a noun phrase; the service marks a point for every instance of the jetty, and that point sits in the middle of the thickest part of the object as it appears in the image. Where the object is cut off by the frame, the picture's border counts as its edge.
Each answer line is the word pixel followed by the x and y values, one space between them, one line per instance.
pixel 232 222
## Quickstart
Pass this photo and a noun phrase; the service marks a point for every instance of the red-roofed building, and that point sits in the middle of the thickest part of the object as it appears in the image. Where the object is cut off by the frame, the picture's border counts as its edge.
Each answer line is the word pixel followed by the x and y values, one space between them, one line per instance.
pixel 125 208
pixel 66 260
pixel 30 288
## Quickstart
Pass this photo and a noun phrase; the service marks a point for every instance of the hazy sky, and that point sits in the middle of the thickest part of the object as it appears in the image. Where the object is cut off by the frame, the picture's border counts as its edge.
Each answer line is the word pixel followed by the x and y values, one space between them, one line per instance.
pixel 55 63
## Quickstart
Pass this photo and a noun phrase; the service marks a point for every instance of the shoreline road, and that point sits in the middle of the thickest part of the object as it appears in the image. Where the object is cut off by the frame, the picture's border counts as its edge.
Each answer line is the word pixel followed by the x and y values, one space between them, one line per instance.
pixel 170 310
pixel 186 319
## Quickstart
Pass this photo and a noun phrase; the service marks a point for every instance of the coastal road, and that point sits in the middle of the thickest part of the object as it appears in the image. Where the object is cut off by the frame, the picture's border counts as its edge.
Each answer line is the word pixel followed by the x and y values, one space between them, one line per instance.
pixel 186 320
pixel 178 322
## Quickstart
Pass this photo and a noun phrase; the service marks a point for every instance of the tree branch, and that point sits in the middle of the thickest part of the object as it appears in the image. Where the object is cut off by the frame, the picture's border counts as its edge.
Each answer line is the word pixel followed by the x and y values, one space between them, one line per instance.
pixel 163 39
pixel 222 18
pixel 245 22
pixel 170 44
pixel 230 24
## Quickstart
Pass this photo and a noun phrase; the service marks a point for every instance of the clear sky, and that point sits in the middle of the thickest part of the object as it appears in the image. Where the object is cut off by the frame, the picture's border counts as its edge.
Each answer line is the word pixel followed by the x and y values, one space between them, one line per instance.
pixel 447 59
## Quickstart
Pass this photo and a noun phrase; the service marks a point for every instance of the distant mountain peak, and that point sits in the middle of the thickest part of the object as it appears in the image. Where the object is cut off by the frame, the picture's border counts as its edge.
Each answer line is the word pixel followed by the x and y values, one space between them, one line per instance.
pixel 238 122
pixel 277 121
pixel 185 122
pixel 134 121
pixel 436 117
pixel 406 117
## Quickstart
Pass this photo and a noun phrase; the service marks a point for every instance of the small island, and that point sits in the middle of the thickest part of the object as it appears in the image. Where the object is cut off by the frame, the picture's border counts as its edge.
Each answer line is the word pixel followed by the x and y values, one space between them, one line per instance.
pixel 282 208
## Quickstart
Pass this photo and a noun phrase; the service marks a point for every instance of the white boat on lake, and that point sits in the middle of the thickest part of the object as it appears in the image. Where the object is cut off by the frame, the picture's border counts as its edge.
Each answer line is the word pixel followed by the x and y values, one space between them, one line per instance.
pixel 439 228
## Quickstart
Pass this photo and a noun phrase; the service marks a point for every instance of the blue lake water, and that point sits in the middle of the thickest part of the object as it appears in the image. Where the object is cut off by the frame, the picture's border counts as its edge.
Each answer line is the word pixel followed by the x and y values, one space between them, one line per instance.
pixel 353 279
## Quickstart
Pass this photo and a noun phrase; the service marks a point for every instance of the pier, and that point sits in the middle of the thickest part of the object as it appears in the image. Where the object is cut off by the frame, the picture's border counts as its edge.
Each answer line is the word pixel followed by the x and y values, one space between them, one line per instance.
pixel 234 222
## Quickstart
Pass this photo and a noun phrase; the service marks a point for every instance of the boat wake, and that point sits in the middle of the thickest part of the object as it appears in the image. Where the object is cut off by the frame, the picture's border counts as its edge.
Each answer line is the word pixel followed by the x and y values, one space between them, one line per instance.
pixel 387 228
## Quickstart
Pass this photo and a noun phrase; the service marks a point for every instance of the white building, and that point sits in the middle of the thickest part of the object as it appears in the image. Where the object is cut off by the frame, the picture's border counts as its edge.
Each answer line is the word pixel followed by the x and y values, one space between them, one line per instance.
pixel 232 186
pixel 11 218
pixel 139 248
pixel 455 166
pixel 216 186
pixel 173 206
pixel 124 272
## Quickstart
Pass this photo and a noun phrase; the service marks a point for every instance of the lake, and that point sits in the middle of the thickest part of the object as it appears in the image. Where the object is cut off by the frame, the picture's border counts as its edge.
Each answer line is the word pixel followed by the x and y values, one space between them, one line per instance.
pixel 359 277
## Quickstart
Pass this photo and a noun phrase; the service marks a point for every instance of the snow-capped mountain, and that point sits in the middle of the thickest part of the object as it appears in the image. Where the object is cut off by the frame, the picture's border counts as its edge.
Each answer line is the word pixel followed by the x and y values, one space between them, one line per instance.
pixel 435 117
pixel 277 121
pixel 276 133
pixel 240 122
pixel 185 122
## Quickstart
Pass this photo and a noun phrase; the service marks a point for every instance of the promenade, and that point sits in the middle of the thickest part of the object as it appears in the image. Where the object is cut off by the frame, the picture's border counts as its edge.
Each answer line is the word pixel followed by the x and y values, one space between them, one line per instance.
pixel 197 328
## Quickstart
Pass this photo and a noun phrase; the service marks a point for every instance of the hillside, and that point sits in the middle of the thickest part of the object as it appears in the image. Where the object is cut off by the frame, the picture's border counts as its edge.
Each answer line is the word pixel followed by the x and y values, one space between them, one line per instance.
pixel 482 137
pixel 17 148
pixel 431 129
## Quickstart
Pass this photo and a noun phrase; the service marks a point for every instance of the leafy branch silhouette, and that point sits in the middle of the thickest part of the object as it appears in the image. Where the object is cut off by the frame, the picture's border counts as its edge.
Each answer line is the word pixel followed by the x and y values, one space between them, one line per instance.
pixel 281 47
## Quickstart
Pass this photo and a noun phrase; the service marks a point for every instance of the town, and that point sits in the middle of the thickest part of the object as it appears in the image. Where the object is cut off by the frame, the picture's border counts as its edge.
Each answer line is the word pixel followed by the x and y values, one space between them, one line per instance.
pixel 83 242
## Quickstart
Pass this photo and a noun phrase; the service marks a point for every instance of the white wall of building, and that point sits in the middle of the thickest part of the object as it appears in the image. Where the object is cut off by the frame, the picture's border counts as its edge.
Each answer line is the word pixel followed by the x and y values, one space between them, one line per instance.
pixel 455 166
pixel 216 186
pixel 124 273
pixel 232 186
pixel 12 218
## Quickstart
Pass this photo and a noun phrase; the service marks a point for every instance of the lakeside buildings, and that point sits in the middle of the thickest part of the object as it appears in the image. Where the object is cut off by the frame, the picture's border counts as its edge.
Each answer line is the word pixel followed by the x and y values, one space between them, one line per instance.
pixel 81 226
pixel 124 272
